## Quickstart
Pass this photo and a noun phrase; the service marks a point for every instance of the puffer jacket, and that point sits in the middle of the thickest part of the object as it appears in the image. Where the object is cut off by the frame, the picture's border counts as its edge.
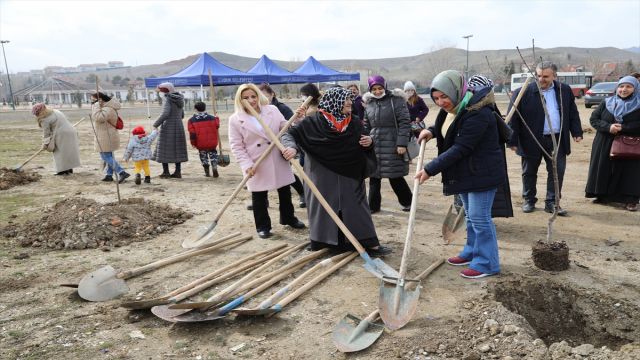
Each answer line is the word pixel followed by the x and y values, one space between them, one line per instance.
pixel 203 131
pixel 388 131
pixel 139 148
pixel 172 143
pixel 470 157
pixel 106 117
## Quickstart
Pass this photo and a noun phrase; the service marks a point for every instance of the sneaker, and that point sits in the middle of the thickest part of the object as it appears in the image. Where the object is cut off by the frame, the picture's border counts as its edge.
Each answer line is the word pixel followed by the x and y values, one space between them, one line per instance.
pixel 138 179
pixel 406 208
pixel 528 207
pixel 123 176
pixel 632 207
pixel 302 203
pixel 548 208
pixel 458 261
pixel 264 234
pixel 107 178
pixel 380 251
pixel 473 274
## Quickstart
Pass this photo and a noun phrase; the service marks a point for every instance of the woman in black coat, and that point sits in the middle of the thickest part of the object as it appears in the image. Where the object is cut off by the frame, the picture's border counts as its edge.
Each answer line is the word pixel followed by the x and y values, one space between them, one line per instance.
pixel 615 180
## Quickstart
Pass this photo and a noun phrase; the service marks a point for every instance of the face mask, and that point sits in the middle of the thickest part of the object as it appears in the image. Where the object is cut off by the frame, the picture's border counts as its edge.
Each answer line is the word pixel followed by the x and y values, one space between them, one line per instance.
pixel 379 96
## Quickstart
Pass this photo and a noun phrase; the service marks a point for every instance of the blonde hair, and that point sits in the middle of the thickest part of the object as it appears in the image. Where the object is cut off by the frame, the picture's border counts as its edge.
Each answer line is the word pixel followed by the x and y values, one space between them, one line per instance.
pixel 237 103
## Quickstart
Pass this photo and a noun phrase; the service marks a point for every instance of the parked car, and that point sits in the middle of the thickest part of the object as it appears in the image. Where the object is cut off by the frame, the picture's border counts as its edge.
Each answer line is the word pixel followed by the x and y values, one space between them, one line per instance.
pixel 598 93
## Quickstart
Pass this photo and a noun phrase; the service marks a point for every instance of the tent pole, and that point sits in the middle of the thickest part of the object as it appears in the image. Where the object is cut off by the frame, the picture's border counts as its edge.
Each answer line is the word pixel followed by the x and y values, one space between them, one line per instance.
pixel 146 91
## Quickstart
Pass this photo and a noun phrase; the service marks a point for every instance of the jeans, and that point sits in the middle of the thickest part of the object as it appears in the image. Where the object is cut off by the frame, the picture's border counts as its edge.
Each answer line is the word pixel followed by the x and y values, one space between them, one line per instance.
pixel 482 243
pixel 260 202
pixel 399 186
pixel 530 167
pixel 107 157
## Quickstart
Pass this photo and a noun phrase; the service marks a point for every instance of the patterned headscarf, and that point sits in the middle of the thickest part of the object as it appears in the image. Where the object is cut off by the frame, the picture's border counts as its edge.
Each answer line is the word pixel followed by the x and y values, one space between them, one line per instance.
pixel 479 81
pixel 333 101
pixel 37 108
pixel 620 107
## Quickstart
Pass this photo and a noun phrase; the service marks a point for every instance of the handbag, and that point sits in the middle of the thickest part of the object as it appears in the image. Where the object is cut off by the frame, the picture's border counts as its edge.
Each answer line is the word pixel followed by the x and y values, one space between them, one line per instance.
pixel 119 123
pixel 625 147
pixel 412 146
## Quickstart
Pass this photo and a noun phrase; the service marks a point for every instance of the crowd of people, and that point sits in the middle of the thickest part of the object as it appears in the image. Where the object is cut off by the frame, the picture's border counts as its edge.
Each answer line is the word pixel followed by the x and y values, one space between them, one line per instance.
pixel 341 139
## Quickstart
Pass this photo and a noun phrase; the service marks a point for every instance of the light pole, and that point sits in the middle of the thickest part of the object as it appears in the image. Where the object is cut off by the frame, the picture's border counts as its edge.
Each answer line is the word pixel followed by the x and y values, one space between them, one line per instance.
pixel 2 42
pixel 466 73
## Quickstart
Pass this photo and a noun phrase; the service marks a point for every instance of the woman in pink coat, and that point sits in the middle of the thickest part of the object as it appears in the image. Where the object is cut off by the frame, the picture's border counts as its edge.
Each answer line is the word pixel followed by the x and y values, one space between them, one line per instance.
pixel 248 141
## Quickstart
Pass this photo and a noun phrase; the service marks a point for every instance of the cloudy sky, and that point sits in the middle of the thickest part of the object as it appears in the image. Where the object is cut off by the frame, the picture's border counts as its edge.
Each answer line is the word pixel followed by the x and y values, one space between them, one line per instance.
pixel 68 33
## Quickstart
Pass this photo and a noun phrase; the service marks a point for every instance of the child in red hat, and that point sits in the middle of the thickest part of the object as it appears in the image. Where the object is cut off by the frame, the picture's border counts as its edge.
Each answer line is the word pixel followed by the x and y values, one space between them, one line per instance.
pixel 139 149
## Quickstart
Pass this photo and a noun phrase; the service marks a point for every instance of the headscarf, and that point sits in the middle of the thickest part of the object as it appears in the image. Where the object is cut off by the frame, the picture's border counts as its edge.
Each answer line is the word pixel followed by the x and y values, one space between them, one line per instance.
pixel 479 81
pixel 40 111
pixel 376 80
pixel 331 105
pixel 168 86
pixel 35 110
pixel 409 86
pixel 452 84
pixel 620 107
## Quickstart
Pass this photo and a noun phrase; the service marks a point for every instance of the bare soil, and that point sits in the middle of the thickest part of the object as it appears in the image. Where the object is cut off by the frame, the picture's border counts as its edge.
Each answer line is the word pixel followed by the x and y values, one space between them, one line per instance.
pixel 10 178
pixel 586 312
pixel 553 256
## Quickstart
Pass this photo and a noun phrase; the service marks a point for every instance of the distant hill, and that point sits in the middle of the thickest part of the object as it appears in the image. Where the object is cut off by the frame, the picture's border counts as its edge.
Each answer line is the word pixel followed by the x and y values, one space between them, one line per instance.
pixel 635 49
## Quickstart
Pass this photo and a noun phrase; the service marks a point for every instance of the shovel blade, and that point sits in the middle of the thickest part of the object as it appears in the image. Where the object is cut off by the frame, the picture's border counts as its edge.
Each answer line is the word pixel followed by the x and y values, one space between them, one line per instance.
pixel 380 269
pixel 197 316
pixel 102 285
pixel 199 237
pixel 396 311
pixel 349 337
pixel 164 313
pixel 459 220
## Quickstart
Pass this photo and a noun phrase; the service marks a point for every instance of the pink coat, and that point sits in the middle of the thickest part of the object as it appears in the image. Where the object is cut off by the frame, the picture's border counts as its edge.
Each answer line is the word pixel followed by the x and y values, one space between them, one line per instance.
pixel 248 143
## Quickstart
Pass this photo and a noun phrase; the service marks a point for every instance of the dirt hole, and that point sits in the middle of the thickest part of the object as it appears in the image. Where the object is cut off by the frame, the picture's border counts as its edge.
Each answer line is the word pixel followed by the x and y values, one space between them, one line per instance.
pixel 79 223
pixel 10 178
pixel 563 312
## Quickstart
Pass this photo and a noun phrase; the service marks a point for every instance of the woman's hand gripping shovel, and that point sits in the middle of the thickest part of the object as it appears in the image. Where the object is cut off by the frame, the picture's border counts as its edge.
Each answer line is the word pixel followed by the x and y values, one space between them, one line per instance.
pixel 200 237
pixel 396 303
pixel 376 267
pixel 350 338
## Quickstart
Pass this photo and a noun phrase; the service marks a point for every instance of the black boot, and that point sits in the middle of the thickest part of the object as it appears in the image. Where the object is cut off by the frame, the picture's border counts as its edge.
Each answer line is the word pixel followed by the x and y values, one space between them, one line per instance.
pixel 107 178
pixel 165 171
pixel 147 179
pixel 206 170
pixel 177 174
pixel 214 170
pixel 122 176
pixel 138 179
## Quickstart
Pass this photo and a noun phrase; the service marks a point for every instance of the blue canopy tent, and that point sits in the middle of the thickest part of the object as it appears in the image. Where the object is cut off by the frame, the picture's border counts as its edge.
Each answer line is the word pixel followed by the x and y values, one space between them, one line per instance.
pixel 313 71
pixel 274 73
pixel 197 74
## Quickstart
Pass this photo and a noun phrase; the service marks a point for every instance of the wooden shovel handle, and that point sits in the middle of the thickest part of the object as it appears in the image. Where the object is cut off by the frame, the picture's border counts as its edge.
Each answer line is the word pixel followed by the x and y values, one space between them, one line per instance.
pixel 296 166
pixel 515 103
pixel 425 273
pixel 258 162
pixel 412 214
pixel 222 270
pixel 157 264
pixel 315 281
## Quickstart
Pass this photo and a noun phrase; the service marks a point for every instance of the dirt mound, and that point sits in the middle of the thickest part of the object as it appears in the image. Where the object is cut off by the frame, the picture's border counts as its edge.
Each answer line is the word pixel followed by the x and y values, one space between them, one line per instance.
pixel 79 223
pixel 10 178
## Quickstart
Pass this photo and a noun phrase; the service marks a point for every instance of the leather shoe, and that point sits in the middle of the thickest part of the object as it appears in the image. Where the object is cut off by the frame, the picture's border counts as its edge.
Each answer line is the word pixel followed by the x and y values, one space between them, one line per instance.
pixel 528 207
pixel 548 208
pixel 264 234
pixel 297 225
pixel 123 176
pixel 380 251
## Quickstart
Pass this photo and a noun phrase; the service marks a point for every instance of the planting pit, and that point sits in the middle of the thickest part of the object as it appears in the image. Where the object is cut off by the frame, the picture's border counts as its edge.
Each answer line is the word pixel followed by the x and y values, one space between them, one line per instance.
pixel 10 178
pixel 552 256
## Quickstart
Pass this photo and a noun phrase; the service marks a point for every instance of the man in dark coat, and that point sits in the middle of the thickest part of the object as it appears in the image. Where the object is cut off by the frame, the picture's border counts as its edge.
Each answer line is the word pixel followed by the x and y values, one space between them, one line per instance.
pixel 565 122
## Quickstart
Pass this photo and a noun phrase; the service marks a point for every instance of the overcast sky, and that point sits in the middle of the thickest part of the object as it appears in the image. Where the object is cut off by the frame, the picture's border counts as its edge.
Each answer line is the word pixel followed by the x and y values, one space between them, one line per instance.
pixel 68 33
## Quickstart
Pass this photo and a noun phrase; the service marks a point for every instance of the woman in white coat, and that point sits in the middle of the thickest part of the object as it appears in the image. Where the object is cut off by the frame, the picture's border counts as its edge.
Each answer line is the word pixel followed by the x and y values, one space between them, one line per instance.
pixel 59 136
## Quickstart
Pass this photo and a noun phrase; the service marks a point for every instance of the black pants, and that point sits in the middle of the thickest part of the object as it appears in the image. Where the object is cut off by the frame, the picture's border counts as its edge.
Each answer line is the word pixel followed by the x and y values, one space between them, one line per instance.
pixel 261 213
pixel 297 185
pixel 399 186
pixel 530 167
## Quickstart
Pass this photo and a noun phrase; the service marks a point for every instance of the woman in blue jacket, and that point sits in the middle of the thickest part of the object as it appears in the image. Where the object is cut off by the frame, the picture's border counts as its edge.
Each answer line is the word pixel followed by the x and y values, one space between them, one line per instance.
pixel 471 163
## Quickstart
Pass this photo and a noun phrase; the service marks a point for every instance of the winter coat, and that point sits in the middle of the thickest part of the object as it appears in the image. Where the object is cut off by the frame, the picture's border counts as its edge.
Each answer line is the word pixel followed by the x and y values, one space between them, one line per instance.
pixel 615 180
pixel 531 108
pixel 358 108
pixel 203 131
pixel 283 108
pixel 418 110
pixel 140 148
pixel 172 143
pixel 388 131
pixel 470 157
pixel 248 143
pixel 105 117
pixel 58 129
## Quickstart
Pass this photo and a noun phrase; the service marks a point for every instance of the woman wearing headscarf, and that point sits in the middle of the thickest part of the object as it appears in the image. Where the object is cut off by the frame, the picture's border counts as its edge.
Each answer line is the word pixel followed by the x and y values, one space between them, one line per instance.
pixel 615 180
pixel 59 136
pixel 386 117
pixel 471 162
pixel 248 140
pixel 418 109
pixel 336 150
pixel 172 143
pixel 104 111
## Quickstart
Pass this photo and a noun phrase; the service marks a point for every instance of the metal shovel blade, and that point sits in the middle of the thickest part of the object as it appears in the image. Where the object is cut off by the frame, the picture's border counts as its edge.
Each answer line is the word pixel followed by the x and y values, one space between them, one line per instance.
pixel 380 269
pixel 145 304
pixel 451 224
pixel 397 309
pixel 200 236
pixel 352 334
pixel 198 316
pixel 102 285
pixel 164 313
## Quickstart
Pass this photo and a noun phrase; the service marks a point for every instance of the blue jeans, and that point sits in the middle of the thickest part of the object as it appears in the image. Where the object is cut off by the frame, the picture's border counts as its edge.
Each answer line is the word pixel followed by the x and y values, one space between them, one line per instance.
pixel 482 243
pixel 107 157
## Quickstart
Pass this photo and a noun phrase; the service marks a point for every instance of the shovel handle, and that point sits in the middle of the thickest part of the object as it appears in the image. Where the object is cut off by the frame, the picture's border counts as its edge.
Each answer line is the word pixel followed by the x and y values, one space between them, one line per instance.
pixel 157 264
pixel 257 162
pixel 296 166
pixel 313 282
pixel 425 273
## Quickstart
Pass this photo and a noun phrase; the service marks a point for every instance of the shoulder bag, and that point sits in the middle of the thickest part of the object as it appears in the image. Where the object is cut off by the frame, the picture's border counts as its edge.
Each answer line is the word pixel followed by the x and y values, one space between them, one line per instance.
pixel 625 147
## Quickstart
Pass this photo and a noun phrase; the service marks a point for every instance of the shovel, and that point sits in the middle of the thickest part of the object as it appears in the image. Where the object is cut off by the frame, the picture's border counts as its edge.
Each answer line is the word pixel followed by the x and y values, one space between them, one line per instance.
pixel 200 237
pixel 264 306
pixel 202 283
pixel 350 338
pixel 451 224
pixel 19 167
pixel 396 303
pixel 376 267
pixel 106 283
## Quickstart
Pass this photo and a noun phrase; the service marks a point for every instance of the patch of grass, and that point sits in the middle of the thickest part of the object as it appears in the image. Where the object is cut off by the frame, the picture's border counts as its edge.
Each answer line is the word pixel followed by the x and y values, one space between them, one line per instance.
pixel 106 345
pixel 16 333
pixel 12 204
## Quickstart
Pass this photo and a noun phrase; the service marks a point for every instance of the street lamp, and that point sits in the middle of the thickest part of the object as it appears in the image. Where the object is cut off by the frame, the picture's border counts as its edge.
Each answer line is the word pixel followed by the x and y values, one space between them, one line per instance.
pixel 467 69
pixel 2 42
